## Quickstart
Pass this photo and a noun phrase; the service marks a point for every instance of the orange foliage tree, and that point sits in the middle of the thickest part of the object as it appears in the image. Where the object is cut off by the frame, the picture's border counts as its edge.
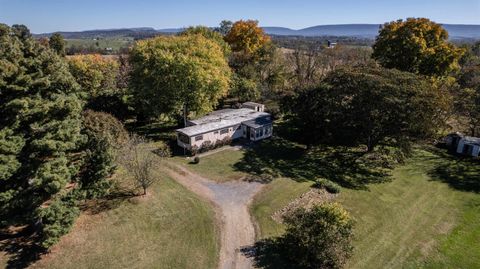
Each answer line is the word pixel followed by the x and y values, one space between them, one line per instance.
pixel 247 37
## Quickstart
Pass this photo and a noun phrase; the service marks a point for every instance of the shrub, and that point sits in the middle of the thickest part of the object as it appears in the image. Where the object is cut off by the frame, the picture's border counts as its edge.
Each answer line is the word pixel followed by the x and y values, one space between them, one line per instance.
pixel 194 150
pixel 318 238
pixel 162 149
pixel 196 160
pixel 330 186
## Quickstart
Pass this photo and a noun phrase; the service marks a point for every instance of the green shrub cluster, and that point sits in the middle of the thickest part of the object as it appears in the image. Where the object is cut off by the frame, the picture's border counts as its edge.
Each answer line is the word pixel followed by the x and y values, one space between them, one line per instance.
pixel 330 186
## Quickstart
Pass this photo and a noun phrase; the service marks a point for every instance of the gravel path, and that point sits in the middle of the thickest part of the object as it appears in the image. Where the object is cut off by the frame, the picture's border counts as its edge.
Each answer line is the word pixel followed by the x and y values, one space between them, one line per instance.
pixel 231 200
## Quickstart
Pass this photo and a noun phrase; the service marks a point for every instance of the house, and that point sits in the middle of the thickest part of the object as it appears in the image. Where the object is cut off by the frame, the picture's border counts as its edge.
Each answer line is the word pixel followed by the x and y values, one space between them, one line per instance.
pixel 465 145
pixel 220 127
pixel 331 44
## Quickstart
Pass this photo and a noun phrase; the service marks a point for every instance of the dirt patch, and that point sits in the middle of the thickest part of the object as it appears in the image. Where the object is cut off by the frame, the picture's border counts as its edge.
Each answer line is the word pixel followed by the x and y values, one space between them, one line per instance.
pixel 307 200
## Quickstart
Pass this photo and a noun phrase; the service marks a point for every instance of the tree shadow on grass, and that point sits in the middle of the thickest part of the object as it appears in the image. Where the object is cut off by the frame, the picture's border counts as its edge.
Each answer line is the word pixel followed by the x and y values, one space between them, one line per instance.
pixel 459 172
pixel 21 247
pixel 347 166
pixel 270 253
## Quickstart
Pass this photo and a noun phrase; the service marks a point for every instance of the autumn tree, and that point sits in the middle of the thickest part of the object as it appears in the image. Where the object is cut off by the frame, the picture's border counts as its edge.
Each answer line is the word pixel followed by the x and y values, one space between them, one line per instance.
pixel 416 45
pixel 258 64
pixel 57 43
pixel 209 34
pixel 101 82
pixel 246 37
pixel 370 105
pixel 170 72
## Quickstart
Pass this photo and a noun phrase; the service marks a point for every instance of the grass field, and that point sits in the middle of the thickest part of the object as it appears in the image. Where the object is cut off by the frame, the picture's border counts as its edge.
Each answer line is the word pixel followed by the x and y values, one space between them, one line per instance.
pixel 415 220
pixel 114 43
pixel 171 228
pixel 218 166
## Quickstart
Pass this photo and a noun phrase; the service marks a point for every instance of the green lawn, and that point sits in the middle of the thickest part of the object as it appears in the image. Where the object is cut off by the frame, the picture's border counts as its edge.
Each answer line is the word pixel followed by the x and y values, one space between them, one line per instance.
pixel 273 197
pixel 218 166
pixel 415 220
pixel 171 228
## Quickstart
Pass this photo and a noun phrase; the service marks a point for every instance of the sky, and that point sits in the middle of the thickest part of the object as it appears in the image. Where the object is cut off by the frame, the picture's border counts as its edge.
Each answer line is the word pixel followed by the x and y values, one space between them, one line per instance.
pixel 75 15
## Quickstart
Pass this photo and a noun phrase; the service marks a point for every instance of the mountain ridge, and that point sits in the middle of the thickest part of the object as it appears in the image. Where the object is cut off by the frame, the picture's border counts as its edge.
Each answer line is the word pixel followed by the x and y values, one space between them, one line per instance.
pixel 349 30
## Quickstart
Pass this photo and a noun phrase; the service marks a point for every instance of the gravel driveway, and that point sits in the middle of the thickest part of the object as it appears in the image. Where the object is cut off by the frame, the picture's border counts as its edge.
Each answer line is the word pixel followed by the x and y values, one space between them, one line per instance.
pixel 231 200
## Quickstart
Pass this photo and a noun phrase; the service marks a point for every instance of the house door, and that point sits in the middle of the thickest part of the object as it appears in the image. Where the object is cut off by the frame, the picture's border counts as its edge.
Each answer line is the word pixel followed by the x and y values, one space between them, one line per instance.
pixel 248 133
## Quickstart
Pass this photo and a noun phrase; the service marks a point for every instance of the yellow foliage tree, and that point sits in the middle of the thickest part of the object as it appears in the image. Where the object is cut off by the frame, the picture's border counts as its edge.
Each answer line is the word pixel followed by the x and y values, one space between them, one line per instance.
pixel 169 72
pixel 247 37
pixel 416 45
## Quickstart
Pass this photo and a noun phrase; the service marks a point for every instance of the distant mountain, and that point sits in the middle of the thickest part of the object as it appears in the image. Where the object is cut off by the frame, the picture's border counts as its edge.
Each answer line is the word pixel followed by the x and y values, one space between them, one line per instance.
pixel 456 31
pixel 368 30
pixel 104 33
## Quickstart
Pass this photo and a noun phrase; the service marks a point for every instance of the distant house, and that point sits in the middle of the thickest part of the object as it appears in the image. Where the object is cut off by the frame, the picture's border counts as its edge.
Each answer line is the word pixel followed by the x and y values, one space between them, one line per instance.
pixel 465 145
pixel 331 44
pixel 249 122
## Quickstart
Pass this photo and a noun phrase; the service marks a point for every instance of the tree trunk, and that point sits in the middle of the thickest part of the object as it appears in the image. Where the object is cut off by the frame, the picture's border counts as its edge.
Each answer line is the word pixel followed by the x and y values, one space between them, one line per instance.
pixel 370 144
pixel 144 191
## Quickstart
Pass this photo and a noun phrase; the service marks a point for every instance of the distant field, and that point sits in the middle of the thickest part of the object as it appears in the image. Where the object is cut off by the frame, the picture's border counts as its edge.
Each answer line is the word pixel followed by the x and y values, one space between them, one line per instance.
pixel 413 221
pixel 114 43
pixel 171 228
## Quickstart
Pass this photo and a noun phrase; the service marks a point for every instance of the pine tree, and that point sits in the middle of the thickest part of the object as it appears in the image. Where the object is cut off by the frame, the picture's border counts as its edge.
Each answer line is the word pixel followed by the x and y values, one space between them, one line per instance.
pixel 40 127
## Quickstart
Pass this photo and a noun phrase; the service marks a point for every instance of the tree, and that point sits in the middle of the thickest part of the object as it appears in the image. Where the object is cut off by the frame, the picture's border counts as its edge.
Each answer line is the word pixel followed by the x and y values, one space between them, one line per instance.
pixel 138 160
pixel 246 37
pixel 171 72
pixel 57 43
pixel 209 34
pixel 318 238
pixel 369 105
pixel 102 82
pixel 40 127
pixel 418 45
pixel 225 27
pixel 467 97
pixel 106 137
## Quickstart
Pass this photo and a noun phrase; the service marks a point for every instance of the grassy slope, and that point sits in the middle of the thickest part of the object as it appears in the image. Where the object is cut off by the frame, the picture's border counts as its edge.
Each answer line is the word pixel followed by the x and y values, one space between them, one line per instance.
pixel 273 197
pixel 217 166
pixel 171 228
pixel 404 223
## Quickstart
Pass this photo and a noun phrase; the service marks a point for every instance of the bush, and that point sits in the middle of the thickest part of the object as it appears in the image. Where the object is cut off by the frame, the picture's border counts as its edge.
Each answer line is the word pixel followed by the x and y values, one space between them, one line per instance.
pixel 162 149
pixel 330 186
pixel 318 238
pixel 196 160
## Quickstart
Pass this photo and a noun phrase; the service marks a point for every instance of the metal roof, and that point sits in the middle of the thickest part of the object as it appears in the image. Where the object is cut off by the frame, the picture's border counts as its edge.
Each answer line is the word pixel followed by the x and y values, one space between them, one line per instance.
pixel 471 140
pixel 221 119
pixel 258 122
pixel 252 104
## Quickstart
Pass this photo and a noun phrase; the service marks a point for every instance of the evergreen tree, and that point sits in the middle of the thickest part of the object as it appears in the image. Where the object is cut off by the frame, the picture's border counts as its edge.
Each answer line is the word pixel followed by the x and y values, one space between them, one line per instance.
pixel 57 43
pixel 40 127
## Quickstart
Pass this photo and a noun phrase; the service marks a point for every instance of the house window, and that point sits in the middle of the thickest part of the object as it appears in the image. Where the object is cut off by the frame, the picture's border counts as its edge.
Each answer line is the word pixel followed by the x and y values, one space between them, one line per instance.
pixel 216 132
pixel 184 138
pixel 223 131
pixel 261 132
pixel 198 137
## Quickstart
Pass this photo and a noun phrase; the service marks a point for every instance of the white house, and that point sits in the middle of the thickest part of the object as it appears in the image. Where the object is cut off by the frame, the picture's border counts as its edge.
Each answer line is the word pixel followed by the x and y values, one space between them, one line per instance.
pixel 249 122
